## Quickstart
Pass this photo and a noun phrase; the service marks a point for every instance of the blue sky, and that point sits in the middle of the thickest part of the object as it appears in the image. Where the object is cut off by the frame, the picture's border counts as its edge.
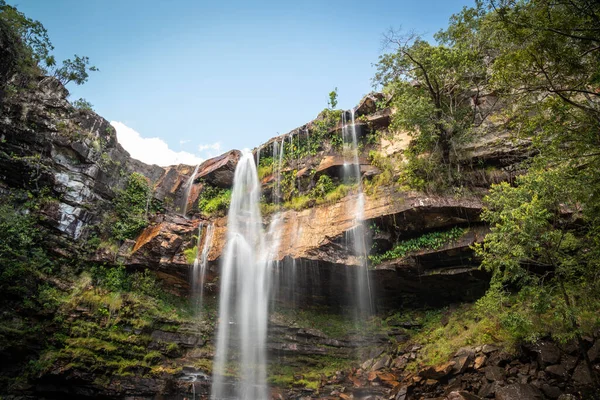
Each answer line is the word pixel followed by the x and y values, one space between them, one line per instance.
pixel 203 77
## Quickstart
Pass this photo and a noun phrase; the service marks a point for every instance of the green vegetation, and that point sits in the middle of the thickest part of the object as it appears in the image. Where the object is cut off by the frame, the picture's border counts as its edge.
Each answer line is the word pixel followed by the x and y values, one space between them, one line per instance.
pixel 131 208
pixel 333 95
pixel 116 312
pixel 385 178
pixel 265 167
pixel 428 241
pixel 213 200
pixel 444 331
pixel 83 104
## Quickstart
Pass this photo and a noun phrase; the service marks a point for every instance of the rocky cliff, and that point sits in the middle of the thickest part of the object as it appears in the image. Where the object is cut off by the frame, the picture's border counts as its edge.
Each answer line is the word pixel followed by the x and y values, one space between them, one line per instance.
pixel 71 157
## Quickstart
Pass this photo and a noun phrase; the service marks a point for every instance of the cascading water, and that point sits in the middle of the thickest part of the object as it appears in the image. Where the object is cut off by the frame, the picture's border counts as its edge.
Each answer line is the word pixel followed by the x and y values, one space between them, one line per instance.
pixel 200 264
pixel 188 189
pixel 357 235
pixel 245 287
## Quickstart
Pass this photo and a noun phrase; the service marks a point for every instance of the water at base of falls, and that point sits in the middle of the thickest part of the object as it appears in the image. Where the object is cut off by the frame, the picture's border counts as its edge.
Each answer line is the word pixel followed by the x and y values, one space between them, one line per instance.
pixel 244 293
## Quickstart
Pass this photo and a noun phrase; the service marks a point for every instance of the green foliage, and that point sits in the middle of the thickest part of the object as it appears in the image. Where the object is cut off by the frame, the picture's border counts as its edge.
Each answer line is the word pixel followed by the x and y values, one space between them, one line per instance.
pixel 333 95
pixel 190 254
pixel 428 241
pixel 466 325
pixel 32 49
pixel 385 164
pixel 265 167
pixel 431 88
pixel 322 129
pixel 83 104
pixel 534 247
pixel 75 70
pixel 213 200
pixel 21 254
pixel 323 187
pixel 131 207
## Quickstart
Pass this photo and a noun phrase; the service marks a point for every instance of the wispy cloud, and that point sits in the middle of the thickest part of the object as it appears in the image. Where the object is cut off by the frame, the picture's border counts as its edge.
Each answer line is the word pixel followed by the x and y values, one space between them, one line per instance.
pixel 210 150
pixel 182 142
pixel 151 150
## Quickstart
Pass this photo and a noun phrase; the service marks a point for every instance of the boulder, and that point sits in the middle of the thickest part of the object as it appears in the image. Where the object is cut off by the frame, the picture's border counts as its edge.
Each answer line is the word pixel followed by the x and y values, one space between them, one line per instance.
pixel 594 351
pixel 495 373
pixel 219 171
pixel 519 391
pixel 548 353
pixel 461 395
pixel 581 375
pixel 437 372
pixel 558 370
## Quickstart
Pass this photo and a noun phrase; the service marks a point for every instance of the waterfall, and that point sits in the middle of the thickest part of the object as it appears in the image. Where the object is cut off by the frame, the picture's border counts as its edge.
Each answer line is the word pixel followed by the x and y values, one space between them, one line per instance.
pixel 244 294
pixel 200 264
pixel 196 266
pixel 188 190
pixel 278 176
pixel 258 156
pixel 357 235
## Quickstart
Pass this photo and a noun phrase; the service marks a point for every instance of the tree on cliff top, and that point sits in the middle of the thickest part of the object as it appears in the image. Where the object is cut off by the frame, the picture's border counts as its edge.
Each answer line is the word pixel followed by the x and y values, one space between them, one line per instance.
pixel 32 49
pixel 436 91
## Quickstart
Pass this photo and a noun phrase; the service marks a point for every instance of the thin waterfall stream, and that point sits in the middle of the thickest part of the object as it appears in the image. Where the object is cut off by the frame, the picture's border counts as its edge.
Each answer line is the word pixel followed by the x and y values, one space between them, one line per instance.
pixel 188 189
pixel 357 235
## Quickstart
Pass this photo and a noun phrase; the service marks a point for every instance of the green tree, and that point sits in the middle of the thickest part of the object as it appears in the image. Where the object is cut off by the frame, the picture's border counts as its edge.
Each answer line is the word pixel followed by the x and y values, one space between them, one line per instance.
pixel 436 91
pixel 333 98
pixel 32 49
pixel 131 207
pixel 83 104
pixel 545 230
pixel 75 70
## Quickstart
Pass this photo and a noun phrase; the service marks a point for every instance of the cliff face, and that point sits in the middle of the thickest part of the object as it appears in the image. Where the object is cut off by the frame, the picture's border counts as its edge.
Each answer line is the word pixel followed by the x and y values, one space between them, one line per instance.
pixel 72 157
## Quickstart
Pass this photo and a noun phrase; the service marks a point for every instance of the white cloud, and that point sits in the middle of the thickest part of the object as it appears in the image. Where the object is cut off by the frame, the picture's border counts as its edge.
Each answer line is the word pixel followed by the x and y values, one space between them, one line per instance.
pixel 215 146
pixel 182 142
pixel 211 150
pixel 151 150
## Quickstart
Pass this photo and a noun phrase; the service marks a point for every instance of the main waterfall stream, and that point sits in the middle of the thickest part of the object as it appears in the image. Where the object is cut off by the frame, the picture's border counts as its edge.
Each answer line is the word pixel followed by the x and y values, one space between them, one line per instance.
pixel 244 294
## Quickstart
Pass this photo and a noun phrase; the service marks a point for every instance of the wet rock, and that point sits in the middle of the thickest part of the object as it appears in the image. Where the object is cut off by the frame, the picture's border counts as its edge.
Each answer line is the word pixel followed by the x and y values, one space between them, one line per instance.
pixel 548 353
pixel 480 361
pixel 461 395
pixel 568 362
pixel 488 349
pixel 518 391
pixel 594 352
pixel 381 363
pixel 581 375
pixel 437 372
pixel 180 339
pixel 488 390
pixel 461 363
pixel 402 393
pixel 495 374
pixel 551 392
pixel 558 371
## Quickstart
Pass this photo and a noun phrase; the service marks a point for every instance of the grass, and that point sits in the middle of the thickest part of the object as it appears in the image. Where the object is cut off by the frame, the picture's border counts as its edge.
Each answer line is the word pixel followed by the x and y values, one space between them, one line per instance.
pixel 305 371
pixel 445 331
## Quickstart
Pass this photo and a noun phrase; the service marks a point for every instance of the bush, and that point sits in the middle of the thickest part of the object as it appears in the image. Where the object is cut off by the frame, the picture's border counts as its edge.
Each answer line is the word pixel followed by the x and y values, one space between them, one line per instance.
pixel 131 207
pixel 214 200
